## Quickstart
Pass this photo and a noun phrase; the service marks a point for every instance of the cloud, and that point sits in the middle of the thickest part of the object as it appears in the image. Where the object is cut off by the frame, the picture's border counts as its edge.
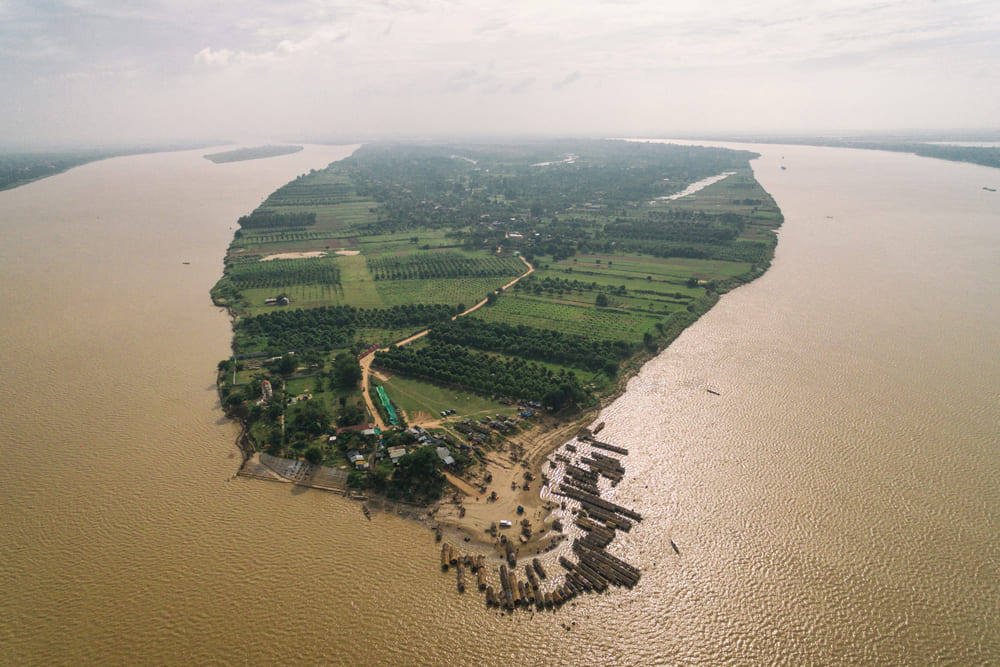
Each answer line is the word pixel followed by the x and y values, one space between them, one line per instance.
pixel 410 64
pixel 211 57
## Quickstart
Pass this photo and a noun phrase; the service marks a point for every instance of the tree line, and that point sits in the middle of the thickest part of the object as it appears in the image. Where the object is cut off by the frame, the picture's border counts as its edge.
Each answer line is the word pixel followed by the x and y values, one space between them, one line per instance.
pixel 330 327
pixel 263 218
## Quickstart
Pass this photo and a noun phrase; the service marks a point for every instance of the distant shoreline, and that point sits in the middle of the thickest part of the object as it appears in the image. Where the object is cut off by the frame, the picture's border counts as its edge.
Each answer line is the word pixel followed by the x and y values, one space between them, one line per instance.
pixel 252 153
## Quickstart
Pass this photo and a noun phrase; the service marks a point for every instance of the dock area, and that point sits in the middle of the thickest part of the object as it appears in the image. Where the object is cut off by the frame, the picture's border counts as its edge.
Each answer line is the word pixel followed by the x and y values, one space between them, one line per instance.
pixel 578 475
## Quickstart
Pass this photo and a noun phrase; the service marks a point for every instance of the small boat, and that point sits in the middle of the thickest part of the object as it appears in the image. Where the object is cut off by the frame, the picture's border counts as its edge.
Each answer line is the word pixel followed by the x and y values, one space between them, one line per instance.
pixel 712 391
pixel 437 534
pixel 989 189
pixel 185 262
pixel 368 514
pixel 676 550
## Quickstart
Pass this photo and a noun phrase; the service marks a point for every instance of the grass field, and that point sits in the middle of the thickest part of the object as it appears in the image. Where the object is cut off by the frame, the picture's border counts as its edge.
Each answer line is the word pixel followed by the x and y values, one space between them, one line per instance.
pixel 588 321
pixel 414 395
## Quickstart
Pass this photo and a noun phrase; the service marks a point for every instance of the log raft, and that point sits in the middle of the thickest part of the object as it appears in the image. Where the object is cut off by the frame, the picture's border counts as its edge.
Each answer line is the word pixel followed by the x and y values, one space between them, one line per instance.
pixel 604 445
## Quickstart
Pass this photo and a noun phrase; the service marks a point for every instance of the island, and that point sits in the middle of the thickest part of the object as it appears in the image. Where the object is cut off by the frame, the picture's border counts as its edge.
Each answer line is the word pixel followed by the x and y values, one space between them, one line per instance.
pixel 422 326
pixel 253 153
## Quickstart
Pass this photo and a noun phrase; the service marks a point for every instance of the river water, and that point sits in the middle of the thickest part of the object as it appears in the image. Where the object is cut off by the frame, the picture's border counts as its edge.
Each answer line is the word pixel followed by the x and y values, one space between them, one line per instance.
pixel 835 503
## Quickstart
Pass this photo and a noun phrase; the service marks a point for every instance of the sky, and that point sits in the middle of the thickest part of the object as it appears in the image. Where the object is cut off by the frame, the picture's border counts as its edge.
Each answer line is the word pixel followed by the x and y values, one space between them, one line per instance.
pixel 79 72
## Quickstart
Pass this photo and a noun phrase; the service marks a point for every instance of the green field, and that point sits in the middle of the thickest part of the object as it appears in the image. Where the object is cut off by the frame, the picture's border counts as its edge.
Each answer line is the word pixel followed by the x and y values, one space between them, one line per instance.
pixel 414 396
pixel 580 320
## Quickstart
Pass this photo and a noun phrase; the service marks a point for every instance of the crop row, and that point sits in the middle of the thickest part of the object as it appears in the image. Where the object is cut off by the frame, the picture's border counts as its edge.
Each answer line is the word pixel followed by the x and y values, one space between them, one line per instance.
pixel 280 273
pixel 529 342
pixel 487 374
pixel 442 265
pixel 590 323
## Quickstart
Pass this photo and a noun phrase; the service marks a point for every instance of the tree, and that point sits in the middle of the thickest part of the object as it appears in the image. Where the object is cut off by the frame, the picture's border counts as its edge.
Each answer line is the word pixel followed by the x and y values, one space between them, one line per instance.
pixel 602 299
pixel 417 475
pixel 312 417
pixel 314 455
pixel 346 372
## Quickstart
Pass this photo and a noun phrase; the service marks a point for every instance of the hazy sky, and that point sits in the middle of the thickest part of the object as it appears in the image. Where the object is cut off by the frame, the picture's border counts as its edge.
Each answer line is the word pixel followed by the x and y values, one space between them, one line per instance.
pixel 127 70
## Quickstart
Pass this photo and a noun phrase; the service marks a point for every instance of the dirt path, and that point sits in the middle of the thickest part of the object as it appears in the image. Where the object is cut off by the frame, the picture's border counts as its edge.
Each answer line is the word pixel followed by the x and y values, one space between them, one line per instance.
pixel 461 484
pixel 366 367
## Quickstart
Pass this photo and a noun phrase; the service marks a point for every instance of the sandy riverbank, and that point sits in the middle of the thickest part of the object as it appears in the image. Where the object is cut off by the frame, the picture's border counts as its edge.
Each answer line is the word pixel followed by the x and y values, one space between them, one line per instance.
pixel 520 454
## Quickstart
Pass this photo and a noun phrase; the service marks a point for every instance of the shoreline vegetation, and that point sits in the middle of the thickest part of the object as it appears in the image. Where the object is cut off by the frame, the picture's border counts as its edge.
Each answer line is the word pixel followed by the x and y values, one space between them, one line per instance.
pixel 22 168
pixel 254 153
pixel 960 151
pixel 470 310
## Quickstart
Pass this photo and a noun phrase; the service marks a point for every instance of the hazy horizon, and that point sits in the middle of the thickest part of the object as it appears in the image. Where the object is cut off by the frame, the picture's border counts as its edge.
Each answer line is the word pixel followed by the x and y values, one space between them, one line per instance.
pixel 95 72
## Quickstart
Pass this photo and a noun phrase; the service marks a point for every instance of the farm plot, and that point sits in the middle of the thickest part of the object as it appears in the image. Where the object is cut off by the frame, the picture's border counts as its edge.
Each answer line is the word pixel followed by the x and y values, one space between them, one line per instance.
pixel 671 269
pixel 284 273
pixel 430 265
pixel 452 291
pixel 590 322
pixel 299 296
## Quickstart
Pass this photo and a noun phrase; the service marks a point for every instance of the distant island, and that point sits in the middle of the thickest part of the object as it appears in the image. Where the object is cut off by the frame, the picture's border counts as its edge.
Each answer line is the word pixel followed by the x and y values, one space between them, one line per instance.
pixel 255 153
pixel 419 318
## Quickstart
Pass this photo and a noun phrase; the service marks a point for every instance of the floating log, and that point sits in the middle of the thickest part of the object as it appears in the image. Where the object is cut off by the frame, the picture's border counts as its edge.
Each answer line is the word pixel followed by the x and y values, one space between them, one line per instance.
pixel 577 582
pixel 445 550
pixel 530 574
pixel 537 564
pixel 609 519
pixel 515 593
pixel 588 573
pixel 511 553
pixel 607 446
pixel 599 533
pixel 606 466
pixel 613 569
pixel 599 502
pixel 581 473
pixel 586 487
